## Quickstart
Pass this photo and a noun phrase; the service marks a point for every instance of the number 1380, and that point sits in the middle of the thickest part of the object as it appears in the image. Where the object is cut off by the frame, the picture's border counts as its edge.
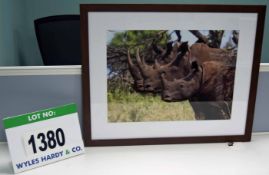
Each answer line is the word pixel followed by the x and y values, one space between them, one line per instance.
pixel 50 140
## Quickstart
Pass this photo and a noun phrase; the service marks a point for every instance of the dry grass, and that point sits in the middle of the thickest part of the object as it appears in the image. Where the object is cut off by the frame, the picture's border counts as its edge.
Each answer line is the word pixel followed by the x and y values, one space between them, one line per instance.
pixel 134 107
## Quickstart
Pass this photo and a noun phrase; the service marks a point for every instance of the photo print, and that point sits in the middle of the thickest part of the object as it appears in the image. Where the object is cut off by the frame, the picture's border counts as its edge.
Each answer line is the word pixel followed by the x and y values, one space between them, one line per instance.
pixel 170 75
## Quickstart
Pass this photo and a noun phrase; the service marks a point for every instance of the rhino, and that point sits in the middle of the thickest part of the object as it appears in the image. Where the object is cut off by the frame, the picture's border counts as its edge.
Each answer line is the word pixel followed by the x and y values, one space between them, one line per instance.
pixel 179 67
pixel 201 52
pixel 175 68
pixel 208 87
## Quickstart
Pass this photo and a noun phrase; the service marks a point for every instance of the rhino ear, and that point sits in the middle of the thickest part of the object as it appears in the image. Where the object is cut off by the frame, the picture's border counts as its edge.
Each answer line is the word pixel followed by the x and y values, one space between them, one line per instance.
pixel 184 47
pixel 194 66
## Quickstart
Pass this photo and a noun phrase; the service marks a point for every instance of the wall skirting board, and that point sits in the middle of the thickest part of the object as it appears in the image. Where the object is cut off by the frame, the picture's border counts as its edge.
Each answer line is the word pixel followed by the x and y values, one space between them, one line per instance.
pixel 28 89
pixel 264 67
pixel 40 70
pixel 62 70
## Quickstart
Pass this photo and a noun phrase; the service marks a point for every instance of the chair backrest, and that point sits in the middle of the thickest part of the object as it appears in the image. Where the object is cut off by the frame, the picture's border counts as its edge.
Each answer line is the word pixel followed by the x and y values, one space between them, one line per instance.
pixel 59 39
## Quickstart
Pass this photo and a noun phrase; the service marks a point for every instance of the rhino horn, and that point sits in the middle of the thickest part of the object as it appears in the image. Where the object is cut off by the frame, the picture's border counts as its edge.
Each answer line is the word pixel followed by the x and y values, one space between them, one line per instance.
pixel 175 61
pixel 141 62
pixel 163 78
pixel 156 64
pixel 130 63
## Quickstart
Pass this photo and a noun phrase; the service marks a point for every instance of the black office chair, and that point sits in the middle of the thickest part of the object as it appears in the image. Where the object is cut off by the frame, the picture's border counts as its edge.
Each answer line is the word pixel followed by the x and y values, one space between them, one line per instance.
pixel 59 39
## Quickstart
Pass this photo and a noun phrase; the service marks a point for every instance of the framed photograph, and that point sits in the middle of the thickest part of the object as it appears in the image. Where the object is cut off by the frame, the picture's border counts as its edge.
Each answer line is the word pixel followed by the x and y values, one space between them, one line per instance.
pixel 166 74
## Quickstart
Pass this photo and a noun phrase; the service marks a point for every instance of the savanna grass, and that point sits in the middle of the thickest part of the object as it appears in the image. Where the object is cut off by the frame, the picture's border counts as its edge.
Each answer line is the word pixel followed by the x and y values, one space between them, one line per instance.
pixel 124 106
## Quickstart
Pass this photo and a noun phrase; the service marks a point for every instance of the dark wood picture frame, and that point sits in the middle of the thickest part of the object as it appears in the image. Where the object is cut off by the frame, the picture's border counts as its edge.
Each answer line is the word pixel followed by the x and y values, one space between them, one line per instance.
pixel 86 8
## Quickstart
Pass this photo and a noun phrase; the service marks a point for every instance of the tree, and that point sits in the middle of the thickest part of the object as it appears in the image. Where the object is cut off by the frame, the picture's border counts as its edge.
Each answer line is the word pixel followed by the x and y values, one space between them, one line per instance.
pixel 153 44
pixel 118 74
pixel 213 39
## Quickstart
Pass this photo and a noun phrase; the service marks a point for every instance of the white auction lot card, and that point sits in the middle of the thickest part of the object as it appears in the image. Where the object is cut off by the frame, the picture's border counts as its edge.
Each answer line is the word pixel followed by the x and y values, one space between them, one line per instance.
pixel 42 137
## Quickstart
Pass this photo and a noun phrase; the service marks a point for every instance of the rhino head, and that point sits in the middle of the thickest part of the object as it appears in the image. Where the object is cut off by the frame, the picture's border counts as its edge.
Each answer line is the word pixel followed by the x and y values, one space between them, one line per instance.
pixel 178 67
pixel 183 88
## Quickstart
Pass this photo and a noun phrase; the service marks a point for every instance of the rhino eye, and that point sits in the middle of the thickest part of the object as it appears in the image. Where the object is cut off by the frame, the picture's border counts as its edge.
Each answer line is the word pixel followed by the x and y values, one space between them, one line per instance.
pixel 181 86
